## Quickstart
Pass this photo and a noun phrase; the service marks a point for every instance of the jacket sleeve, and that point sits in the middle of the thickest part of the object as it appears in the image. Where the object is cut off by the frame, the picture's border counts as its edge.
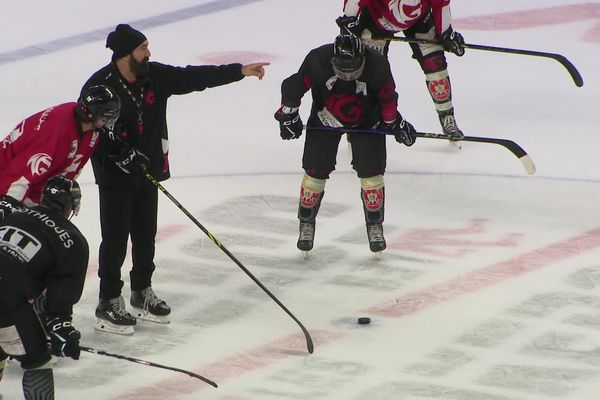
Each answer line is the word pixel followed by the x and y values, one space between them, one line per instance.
pixel 66 280
pixel 294 87
pixel 441 15
pixel 183 80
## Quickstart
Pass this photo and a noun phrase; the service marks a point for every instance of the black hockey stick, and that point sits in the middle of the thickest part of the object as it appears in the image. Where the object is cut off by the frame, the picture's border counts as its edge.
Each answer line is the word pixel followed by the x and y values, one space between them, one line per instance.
pixel 558 57
pixel 309 342
pixel 508 144
pixel 148 363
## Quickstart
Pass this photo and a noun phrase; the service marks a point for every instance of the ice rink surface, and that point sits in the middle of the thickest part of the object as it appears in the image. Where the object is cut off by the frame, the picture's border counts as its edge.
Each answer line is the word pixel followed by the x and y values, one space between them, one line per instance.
pixel 489 288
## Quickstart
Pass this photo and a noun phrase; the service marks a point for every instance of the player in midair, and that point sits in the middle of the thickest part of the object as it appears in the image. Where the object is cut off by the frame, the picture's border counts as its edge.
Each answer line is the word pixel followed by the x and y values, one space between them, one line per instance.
pixel 373 20
pixel 352 87
pixel 41 250
pixel 56 141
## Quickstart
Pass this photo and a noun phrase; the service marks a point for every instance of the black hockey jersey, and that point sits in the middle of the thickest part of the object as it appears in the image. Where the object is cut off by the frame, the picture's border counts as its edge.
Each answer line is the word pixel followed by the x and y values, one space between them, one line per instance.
pixel 40 249
pixel 360 103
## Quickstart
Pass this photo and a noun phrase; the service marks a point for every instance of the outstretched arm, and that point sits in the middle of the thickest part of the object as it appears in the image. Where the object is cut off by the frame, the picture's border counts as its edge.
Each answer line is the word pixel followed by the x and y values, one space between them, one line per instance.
pixel 255 69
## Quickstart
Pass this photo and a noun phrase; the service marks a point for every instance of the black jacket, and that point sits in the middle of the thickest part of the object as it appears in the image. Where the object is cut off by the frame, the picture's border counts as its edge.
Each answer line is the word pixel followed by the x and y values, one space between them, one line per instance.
pixel 359 103
pixel 164 81
pixel 40 249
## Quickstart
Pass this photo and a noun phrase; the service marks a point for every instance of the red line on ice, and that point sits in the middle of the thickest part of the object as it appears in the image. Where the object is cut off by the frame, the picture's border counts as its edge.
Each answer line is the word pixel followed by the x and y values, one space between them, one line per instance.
pixel 270 353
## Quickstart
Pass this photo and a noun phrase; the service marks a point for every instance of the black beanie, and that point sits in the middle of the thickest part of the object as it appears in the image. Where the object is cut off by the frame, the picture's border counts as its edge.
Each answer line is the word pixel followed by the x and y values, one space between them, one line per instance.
pixel 123 40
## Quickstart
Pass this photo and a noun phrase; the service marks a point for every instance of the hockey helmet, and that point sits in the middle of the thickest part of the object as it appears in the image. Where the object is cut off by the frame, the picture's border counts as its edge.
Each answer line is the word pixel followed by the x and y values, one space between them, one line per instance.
pixel 348 57
pixel 62 194
pixel 100 104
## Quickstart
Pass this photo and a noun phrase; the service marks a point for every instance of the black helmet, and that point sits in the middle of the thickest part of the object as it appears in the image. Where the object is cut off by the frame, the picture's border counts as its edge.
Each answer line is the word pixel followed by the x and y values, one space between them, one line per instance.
pixel 100 103
pixel 61 194
pixel 348 57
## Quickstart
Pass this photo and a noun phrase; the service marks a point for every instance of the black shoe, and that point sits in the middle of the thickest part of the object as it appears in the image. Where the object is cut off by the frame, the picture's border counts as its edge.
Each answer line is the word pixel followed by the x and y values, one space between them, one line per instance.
pixel 449 126
pixel 148 306
pixel 307 236
pixel 111 316
pixel 375 235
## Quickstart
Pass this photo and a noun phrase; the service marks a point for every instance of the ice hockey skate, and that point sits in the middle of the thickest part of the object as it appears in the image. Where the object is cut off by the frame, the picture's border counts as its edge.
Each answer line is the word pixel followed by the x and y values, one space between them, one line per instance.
pixel 449 126
pixel 375 236
pixel 306 236
pixel 112 317
pixel 148 306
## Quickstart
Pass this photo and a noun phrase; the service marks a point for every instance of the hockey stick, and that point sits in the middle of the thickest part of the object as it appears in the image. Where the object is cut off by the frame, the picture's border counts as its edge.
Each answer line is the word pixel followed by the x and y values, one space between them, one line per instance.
pixel 558 57
pixel 309 342
pixel 148 363
pixel 508 144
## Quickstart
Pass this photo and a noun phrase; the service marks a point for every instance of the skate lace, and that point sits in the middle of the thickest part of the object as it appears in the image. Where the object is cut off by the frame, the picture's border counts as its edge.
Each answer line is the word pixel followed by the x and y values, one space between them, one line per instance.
pixel 376 233
pixel 306 231
pixel 150 298
pixel 449 124
pixel 117 307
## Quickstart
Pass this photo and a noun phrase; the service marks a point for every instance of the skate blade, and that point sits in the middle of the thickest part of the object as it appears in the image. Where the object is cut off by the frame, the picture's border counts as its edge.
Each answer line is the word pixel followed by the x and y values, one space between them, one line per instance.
pixel 105 326
pixel 140 314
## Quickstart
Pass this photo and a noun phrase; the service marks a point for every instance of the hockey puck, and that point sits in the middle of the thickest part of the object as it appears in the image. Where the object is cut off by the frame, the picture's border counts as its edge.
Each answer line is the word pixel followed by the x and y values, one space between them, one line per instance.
pixel 364 321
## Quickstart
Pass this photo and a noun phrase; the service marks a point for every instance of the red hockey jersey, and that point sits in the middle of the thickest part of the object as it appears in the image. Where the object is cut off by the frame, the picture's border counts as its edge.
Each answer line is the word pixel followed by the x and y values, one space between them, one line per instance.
pixel 44 145
pixel 398 15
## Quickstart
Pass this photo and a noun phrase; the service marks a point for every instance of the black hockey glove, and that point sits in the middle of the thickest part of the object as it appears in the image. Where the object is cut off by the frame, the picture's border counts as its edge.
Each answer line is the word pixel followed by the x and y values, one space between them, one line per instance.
pixel 290 123
pixel 131 160
pixel 453 42
pixel 64 339
pixel 348 25
pixel 402 130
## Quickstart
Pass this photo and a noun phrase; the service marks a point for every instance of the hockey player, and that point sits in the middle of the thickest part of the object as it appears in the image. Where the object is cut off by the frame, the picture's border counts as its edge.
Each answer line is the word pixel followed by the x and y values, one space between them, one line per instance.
pixel 56 141
pixel 373 20
pixel 351 87
pixel 40 249
pixel 128 201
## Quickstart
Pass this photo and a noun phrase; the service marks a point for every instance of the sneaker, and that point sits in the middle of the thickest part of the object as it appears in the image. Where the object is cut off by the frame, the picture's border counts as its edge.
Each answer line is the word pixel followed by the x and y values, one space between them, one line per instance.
pixel 307 236
pixel 111 316
pixel 375 235
pixel 449 126
pixel 148 306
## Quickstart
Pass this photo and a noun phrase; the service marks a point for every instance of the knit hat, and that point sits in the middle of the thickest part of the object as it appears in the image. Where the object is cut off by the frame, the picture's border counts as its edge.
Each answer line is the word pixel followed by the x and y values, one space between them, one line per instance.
pixel 123 40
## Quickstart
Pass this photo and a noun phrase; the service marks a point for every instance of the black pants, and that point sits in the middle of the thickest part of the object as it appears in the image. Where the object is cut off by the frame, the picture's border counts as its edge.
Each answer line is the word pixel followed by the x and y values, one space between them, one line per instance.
pixel 16 310
pixel 320 153
pixel 127 212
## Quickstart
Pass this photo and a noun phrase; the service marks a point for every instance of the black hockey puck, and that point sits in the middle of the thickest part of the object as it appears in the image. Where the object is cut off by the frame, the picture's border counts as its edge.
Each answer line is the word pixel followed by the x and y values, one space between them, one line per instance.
pixel 364 321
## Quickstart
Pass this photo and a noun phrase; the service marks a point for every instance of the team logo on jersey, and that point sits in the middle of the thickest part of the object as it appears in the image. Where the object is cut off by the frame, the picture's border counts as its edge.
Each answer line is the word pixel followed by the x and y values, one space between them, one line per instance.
pixel 405 11
pixel 39 163
pixel 18 243
pixel 345 108
pixel 439 89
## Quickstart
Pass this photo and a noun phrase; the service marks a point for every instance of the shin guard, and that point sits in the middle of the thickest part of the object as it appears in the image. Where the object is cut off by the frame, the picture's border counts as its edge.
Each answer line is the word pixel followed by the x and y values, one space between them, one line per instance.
pixel 312 191
pixel 373 198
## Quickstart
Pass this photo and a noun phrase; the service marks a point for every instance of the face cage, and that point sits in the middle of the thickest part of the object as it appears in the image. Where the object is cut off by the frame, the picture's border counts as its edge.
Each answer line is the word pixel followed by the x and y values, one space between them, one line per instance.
pixel 348 75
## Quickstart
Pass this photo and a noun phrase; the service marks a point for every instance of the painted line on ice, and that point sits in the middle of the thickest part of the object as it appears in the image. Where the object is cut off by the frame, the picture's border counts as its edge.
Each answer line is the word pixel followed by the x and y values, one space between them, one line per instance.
pixel 233 366
pixel 251 360
pixel 57 45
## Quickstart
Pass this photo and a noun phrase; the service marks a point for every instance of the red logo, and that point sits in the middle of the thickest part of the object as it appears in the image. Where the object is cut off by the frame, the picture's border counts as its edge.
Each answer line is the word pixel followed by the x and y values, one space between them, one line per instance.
pixel 440 89
pixel 150 98
pixel 308 199
pixel 372 198
pixel 345 107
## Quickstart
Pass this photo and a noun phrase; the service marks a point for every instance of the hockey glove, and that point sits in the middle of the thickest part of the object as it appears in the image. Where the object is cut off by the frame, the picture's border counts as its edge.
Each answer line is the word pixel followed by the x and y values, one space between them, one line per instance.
pixel 402 130
pixel 290 124
pixel 348 25
pixel 64 339
pixel 131 160
pixel 453 42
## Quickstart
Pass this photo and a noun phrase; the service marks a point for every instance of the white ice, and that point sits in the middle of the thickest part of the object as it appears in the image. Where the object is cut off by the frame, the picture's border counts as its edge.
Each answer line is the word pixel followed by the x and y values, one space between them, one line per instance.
pixel 489 287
